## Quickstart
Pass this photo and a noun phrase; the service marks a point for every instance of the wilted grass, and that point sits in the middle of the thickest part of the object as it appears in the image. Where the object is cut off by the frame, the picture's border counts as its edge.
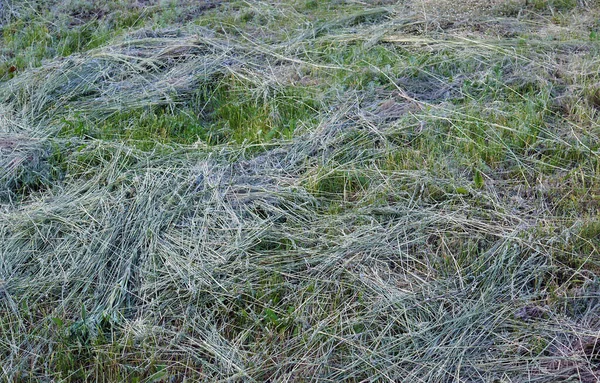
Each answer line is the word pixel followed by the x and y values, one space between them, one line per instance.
pixel 305 191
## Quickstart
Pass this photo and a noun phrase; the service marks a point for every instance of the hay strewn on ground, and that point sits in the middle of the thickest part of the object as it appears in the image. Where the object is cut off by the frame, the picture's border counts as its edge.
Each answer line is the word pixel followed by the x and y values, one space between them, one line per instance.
pixel 430 215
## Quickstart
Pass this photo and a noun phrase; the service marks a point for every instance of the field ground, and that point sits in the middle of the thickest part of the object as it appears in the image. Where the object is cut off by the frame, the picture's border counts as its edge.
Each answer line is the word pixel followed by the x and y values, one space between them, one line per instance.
pixel 300 190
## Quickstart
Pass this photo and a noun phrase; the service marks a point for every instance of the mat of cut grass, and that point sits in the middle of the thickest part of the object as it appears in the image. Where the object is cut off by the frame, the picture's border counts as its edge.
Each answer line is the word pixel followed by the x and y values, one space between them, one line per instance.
pixel 432 220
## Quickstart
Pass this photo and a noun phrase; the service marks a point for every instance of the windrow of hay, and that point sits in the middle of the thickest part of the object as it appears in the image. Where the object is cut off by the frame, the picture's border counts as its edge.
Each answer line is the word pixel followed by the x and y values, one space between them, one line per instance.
pixel 149 68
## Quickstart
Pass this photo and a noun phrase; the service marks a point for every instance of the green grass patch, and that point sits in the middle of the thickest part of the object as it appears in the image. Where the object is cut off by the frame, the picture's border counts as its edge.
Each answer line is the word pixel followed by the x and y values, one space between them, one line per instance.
pixel 227 111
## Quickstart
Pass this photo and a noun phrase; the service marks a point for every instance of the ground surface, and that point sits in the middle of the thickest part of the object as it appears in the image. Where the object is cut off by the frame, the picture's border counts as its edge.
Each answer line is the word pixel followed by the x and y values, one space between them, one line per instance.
pixel 300 191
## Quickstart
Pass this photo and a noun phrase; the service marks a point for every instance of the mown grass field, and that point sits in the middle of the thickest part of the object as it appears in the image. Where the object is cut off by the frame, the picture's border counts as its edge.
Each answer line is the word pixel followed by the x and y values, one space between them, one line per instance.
pixel 299 191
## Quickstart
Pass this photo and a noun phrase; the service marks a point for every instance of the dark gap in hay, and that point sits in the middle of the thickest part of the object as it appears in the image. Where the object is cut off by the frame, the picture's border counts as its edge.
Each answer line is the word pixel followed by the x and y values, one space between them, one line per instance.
pixel 29 166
